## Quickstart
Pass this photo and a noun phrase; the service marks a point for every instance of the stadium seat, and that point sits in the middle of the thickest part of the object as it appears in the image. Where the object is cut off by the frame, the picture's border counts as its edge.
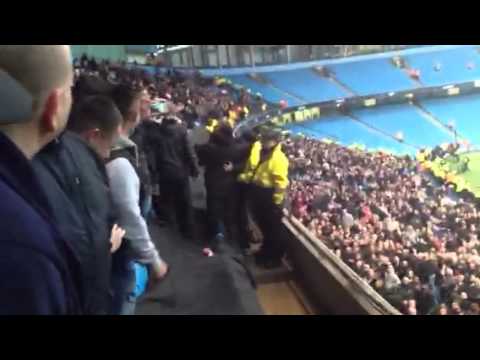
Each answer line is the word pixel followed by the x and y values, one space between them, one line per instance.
pixel 268 92
pixel 453 66
pixel 372 76
pixel 463 111
pixel 306 84
pixel 417 130
pixel 347 132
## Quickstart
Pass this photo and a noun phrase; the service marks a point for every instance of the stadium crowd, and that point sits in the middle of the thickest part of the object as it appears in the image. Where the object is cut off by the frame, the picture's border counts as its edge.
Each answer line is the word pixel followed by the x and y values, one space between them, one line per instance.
pixel 89 153
pixel 403 233
pixel 106 149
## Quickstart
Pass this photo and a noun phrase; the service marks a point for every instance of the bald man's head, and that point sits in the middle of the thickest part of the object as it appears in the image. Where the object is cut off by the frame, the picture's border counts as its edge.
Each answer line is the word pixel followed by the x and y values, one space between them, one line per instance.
pixel 45 72
pixel 38 68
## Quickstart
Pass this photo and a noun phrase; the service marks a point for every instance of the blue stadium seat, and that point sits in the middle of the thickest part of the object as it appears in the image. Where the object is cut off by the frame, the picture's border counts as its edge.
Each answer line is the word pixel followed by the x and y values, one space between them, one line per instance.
pixel 267 92
pixel 464 111
pixel 453 66
pixel 367 77
pixel 306 84
pixel 417 130
pixel 372 76
pixel 347 132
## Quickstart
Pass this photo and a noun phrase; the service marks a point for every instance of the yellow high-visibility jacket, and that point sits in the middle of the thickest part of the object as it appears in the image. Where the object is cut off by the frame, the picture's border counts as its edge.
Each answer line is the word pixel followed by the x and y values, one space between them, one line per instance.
pixel 232 122
pixel 213 124
pixel 421 157
pixel 461 184
pixel 232 115
pixel 450 177
pixel 272 173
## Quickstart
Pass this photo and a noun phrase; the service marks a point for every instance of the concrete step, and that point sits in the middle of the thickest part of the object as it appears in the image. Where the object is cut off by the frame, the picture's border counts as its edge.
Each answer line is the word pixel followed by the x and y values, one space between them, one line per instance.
pixel 268 276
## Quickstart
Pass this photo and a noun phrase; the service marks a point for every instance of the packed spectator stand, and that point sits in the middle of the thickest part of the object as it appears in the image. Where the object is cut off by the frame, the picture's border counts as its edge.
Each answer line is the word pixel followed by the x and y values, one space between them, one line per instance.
pixel 405 234
pixel 401 229
pixel 190 95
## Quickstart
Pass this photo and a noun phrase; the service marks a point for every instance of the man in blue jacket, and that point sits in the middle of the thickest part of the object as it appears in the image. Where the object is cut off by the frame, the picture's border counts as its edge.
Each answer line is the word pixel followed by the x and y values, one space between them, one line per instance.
pixel 38 270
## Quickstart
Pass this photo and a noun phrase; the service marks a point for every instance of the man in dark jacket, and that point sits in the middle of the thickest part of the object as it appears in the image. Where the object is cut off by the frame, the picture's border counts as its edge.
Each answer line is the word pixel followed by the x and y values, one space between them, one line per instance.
pixel 241 224
pixel 144 173
pixel 39 272
pixel 223 159
pixel 145 136
pixel 72 171
pixel 146 163
pixel 189 115
pixel 176 162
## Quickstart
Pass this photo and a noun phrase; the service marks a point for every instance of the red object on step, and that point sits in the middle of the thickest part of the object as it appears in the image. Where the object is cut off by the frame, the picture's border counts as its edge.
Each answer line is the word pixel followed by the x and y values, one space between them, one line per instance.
pixel 208 252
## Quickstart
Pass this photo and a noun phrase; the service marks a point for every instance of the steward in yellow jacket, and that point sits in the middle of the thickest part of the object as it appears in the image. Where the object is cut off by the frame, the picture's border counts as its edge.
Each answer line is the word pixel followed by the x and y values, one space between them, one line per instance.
pixel 211 125
pixel 266 172
pixel 271 173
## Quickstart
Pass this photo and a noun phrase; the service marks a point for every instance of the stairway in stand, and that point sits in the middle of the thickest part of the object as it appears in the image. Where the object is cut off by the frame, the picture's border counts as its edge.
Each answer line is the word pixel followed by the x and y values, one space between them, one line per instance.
pixel 289 94
pixel 278 293
pixel 330 76
pixel 435 121
pixel 406 68
pixel 261 80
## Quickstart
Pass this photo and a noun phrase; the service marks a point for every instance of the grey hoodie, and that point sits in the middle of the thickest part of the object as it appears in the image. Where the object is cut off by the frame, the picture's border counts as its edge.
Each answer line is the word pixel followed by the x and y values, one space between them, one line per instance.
pixel 125 192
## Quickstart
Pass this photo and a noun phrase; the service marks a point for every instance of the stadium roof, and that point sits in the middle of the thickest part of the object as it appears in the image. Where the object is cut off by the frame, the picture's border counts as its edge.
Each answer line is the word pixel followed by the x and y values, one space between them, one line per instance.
pixel 163 48
pixel 157 49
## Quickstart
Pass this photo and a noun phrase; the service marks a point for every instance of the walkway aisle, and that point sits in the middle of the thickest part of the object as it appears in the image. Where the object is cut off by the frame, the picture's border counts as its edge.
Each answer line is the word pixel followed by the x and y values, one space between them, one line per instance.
pixel 198 285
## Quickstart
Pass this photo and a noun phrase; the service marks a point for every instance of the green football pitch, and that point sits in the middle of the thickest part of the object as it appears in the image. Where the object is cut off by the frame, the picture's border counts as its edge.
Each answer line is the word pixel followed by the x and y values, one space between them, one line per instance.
pixel 470 174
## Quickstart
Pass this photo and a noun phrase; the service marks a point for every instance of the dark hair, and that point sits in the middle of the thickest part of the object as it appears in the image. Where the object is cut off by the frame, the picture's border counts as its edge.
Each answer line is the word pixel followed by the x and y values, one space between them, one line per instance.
pixel 124 96
pixel 95 112
pixel 88 85
pixel 248 136
pixel 270 134
pixel 222 135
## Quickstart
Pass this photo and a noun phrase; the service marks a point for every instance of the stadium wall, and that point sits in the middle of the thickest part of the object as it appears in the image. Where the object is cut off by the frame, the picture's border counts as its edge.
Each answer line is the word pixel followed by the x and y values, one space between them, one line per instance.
pixel 235 55
pixel 107 52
